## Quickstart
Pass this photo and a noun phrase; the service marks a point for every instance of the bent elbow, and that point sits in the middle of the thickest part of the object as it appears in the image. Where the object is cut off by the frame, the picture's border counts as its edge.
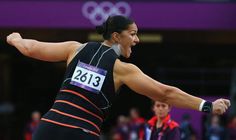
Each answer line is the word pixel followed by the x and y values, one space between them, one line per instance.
pixel 169 94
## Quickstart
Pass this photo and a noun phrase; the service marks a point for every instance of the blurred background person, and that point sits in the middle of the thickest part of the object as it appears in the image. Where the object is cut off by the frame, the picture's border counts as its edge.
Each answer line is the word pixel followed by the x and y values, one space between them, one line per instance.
pixel 187 131
pixel 136 124
pixel 215 131
pixel 231 129
pixel 161 126
pixel 32 125
pixel 121 130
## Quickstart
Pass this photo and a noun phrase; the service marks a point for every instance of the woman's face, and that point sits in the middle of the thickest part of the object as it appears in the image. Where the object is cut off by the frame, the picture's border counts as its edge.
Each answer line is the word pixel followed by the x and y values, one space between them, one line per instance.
pixel 161 109
pixel 127 39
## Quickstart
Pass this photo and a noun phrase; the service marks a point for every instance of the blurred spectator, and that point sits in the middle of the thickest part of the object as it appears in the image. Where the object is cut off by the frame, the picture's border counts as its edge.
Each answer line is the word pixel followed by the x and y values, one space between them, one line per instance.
pixel 187 132
pixel 32 125
pixel 136 124
pixel 121 131
pixel 232 129
pixel 215 131
pixel 129 128
pixel 161 126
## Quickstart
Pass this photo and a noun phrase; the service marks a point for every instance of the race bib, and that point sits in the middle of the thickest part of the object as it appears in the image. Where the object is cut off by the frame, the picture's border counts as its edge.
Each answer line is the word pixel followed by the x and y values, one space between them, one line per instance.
pixel 88 77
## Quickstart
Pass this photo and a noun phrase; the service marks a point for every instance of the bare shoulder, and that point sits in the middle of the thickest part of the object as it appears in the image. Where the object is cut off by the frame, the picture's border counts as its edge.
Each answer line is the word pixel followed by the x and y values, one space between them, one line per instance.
pixel 74 47
pixel 123 71
pixel 125 68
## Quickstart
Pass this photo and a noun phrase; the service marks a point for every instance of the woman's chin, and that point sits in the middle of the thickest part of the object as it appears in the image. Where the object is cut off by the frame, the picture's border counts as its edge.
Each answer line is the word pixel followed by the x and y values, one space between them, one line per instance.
pixel 128 55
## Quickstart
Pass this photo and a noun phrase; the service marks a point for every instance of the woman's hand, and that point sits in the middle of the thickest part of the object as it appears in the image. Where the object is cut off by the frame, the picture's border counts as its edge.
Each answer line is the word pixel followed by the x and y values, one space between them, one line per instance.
pixel 13 38
pixel 220 106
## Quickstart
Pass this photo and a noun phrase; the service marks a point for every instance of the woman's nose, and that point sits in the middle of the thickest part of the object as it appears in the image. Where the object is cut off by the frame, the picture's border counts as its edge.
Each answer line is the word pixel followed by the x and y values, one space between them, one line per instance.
pixel 136 39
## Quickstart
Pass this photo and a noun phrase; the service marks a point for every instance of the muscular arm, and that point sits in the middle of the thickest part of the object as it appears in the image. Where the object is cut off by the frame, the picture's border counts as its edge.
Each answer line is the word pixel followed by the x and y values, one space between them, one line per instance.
pixel 52 52
pixel 135 79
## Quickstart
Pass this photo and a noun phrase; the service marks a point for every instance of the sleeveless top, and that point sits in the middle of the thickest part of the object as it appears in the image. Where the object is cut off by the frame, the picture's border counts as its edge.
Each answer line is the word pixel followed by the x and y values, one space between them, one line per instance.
pixel 87 91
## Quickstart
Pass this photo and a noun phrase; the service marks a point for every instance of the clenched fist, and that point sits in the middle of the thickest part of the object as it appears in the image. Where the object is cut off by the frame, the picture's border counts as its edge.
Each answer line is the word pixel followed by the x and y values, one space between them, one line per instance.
pixel 220 106
pixel 13 37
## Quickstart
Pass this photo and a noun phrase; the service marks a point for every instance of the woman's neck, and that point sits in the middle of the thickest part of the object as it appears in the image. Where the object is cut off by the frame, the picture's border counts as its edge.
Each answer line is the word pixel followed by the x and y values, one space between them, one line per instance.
pixel 113 45
pixel 107 43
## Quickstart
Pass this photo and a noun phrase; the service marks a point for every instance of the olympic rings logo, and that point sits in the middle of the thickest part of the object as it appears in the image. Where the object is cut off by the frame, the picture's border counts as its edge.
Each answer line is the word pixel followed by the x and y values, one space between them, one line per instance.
pixel 98 13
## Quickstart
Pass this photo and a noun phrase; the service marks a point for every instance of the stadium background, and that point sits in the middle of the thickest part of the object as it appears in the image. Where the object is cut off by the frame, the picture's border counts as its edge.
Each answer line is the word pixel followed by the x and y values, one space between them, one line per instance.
pixel 189 44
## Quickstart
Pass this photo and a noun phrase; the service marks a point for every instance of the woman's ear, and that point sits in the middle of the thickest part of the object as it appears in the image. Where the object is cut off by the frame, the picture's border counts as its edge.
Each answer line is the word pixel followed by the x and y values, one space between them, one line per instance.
pixel 116 37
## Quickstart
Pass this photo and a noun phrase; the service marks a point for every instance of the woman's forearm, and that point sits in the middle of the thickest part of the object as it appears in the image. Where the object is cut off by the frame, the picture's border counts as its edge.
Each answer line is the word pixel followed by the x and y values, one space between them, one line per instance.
pixel 179 98
pixel 25 46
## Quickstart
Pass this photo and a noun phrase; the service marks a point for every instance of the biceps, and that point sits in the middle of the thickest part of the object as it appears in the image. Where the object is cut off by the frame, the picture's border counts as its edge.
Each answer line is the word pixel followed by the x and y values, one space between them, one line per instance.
pixel 147 86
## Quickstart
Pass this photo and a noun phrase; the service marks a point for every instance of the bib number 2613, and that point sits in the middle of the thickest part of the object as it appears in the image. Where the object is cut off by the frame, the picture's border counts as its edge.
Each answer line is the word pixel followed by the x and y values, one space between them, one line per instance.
pixel 88 77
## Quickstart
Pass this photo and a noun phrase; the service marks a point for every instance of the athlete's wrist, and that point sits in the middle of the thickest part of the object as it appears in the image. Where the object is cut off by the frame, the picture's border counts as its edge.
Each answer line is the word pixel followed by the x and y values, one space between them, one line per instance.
pixel 205 106
pixel 201 105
